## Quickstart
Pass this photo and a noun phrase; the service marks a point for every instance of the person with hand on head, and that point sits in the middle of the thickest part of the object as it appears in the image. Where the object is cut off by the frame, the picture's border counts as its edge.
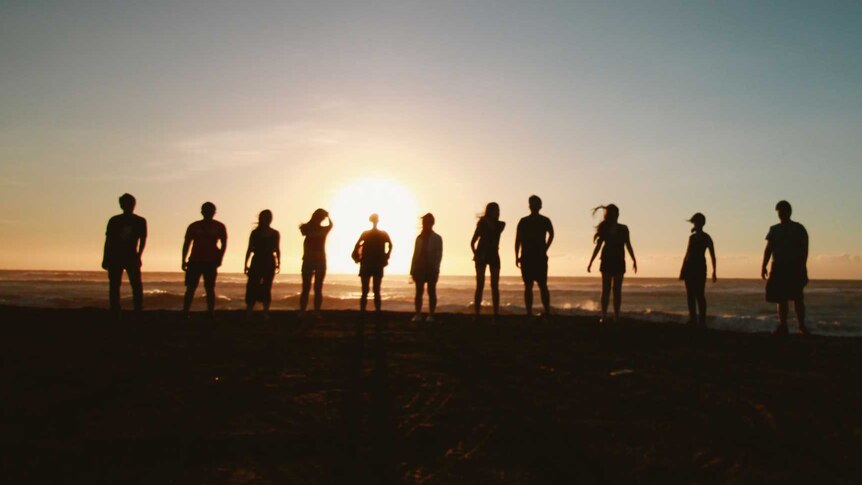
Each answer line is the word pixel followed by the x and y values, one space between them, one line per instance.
pixel 693 270
pixel 314 258
pixel 425 266
pixel 207 239
pixel 533 238
pixel 264 249
pixel 372 251
pixel 486 253
pixel 613 239
pixel 787 246
pixel 125 239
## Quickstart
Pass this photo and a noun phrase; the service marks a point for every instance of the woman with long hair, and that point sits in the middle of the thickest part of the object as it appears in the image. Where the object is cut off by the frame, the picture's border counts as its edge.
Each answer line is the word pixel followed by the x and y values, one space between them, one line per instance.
pixel 486 253
pixel 693 270
pixel 314 258
pixel 612 238
pixel 265 254
pixel 425 267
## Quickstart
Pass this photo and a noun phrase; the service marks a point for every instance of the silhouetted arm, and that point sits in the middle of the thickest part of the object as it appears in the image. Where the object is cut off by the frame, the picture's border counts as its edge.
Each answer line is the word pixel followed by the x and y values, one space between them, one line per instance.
pixel 277 252
pixel 474 240
pixel 187 243
pixel 518 247
pixel 631 253
pixel 550 235
pixel 105 251
pixel 805 253
pixel 142 242
pixel 767 253
pixel 248 252
pixel 711 249
pixel 223 247
pixel 599 243
pixel 389 247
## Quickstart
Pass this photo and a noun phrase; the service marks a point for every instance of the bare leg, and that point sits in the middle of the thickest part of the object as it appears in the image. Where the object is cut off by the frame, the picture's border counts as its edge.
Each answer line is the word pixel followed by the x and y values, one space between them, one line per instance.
pixel 618 295
pixel 134 274
pixel 692 302
pixel 495 289
pixel 480 287
pixel 306 288
pixel 799 306
pixel 191 286
pixel 701 302
pixel 376 280
pixel 363 300
pixel 319 276
pixel 115 279
pixel 528 296
pixel 606 294
pixel 546 296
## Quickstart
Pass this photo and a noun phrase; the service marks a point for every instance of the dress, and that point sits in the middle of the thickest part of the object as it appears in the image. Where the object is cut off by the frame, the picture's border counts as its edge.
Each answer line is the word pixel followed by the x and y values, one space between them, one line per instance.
pixel 614 249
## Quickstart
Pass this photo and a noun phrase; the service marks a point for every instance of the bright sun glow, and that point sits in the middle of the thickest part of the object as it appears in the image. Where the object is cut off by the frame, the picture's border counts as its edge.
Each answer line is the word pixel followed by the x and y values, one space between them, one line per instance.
pixel 350 208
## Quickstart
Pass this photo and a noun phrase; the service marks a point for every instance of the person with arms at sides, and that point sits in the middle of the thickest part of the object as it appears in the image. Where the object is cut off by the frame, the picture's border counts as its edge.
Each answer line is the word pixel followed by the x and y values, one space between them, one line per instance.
pixel 314 258
pixel 265 253
pixel 612 238
pixel 787 246
pixel 486 253
pixel 533 237
pixel 693 270
pixel 425 267
pixel 125 239
pixel 372 252
pixel 207 239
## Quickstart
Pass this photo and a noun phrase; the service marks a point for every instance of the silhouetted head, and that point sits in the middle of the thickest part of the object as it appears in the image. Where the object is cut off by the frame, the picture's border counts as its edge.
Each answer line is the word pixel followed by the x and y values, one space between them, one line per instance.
pixel 317 218
pixel 535 204
pixel 208 210
pixel 264 218
pixel 699 220
pixel 374 219
pixel 611 216
pixel 127 203
pixel 492 212
pixel 427 222
pixel 784 210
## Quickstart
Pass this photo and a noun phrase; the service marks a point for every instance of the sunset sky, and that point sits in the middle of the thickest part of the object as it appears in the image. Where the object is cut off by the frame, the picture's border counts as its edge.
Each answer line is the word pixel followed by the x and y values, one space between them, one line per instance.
pixel 664 108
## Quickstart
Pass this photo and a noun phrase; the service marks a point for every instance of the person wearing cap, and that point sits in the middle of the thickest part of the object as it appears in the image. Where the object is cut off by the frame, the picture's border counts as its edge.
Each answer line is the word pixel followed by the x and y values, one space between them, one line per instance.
pixel 693 270
pixel 125 239
pixel 787 246
pixel 372 251
pixel 207 239
pixel 425 267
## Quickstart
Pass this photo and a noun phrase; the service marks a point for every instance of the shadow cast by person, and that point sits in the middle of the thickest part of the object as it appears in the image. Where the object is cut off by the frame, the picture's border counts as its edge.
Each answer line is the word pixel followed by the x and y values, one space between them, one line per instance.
pixel 425 267
pixel 314 258
pixel 613 239
pixel 485 245
pixel 372 252
pixel 693 271
pixel 264 249
pixel 533 238
pixel 207 239
pixel 125 239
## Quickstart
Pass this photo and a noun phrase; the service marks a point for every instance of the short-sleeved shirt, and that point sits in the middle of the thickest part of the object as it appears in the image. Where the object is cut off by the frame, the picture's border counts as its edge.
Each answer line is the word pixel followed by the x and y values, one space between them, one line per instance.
pixel 533 230
pixel 374 248
pixel 694 265
pixel 264 243
pixel 789 243
pixel 614 249
pixel 204 235
pixel 122 235
pixel 314 246
pixel 489 238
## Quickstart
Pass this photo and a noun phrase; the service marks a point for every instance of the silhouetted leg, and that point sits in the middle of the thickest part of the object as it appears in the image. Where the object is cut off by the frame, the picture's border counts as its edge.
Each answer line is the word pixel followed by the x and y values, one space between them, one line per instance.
pixel 209 287
pixel 782 313
pixel 799 306
pixel 193 277
pixel 618 295
pixel 495 289
pixel 377 279
pixel 306 288
pixel 432 296
pixel 691 300
pixel 251 290
pixel 319 276
pixel 134 274
pixel 480 288
pixel 266 289
pixel 363 300
pixel 115 279
pixel 417 300
pixel 528 296
pixel 606 294
pixel 546 296
pixel 701 301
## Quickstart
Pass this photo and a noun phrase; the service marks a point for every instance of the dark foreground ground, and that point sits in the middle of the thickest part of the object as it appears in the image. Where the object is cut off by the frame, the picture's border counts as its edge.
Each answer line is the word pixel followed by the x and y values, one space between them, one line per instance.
pixel 163 400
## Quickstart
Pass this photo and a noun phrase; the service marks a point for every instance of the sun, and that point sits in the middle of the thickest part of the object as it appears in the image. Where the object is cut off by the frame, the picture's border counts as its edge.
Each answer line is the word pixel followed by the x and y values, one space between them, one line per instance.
pixel 349 210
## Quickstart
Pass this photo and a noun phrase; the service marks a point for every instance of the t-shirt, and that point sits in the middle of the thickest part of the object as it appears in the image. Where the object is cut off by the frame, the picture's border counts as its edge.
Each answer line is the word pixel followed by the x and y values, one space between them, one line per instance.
pixel 314 246
pixel 789 243
pixel 204 235
pixel 374 248
pixel 122 235
pixel 613 252
pixel 533 230
pixel 264 243
pixel 489 237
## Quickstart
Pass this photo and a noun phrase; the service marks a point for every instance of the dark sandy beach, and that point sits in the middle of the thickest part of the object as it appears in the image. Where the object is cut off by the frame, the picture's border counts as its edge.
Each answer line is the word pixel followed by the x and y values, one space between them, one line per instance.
pixel 158 399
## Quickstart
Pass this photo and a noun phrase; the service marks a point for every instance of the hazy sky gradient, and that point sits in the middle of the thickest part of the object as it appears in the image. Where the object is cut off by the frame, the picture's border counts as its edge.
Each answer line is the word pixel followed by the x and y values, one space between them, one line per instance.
pixel 665 108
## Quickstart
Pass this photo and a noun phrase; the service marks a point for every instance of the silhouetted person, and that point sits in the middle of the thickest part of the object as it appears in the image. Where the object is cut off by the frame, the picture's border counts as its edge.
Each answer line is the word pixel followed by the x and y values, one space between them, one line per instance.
pixel 265 252
pixel 787 245
pixel 125 239
pixel 486 253
pixel 612 238
pixel 693 270
pixel 372 252
pixel 207 239
pixel 425 267
pixel 534 236
pixel 314 258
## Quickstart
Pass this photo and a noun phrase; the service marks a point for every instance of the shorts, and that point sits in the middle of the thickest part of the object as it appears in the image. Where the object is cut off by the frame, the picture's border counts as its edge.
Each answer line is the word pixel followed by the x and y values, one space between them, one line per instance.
pixel 430 278
pixel 371 271
pixel 197 269
pixel 785 284
pixel 310 266
pixel 532 270
pixel 492 261
pixel 613 266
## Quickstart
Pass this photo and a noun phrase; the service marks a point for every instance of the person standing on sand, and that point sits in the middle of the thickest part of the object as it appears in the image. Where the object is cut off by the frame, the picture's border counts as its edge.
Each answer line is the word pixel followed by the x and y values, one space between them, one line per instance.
pixel 425 267
pixel 533 237
pixel 125 239
pixel 314 258
pixel 372 252
pixel 787 245
pixel 486 252
pixel 264 245
pixel 612 238
pixel 207 239
pixel 693 270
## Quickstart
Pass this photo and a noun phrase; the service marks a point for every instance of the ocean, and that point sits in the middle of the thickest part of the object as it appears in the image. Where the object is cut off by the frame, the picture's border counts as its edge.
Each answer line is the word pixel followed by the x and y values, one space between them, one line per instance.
pixel 734 304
